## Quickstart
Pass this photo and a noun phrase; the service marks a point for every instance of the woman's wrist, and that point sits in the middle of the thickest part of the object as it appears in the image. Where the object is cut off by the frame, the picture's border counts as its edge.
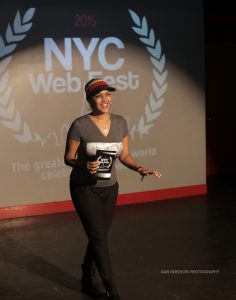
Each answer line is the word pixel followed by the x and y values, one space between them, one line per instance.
pixel 139 168
pixel 78 164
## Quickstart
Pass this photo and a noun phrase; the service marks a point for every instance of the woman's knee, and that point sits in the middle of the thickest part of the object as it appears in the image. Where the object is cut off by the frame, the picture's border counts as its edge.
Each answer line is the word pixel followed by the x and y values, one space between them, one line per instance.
pixel 98 237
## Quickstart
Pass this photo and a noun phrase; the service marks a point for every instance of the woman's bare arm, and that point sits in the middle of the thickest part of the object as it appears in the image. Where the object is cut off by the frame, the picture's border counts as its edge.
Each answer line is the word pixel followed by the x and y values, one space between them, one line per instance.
pixel 127 159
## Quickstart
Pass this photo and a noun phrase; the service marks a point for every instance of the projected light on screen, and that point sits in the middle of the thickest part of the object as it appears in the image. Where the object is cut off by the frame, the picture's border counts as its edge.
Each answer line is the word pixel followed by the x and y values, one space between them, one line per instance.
pixel 162 102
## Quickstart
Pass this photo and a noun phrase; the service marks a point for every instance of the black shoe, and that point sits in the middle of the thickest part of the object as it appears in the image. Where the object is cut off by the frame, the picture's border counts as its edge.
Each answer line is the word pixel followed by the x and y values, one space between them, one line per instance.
pixel 90 284
pixel 111 292
pixel 92 289
pixel 113 296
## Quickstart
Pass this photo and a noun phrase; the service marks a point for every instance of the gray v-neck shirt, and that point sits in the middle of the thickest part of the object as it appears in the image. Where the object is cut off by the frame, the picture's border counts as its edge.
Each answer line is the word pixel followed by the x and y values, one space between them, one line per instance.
pixel 84 130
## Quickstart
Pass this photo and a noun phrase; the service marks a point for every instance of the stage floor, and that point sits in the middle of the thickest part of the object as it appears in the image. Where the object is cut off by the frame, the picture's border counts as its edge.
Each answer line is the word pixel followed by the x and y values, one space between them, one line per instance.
pixel 173 249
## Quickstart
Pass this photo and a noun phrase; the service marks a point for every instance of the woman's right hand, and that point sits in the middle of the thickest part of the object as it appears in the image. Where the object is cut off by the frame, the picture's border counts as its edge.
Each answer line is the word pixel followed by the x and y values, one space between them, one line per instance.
pixel 92 166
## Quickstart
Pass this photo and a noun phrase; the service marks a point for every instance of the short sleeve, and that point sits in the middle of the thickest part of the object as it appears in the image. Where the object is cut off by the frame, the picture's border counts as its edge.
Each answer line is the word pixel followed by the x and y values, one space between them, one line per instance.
pixel 125 128
pixel 74 132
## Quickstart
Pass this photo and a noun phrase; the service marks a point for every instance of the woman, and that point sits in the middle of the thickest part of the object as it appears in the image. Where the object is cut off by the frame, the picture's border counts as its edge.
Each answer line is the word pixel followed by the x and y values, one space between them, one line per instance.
pixel 93 143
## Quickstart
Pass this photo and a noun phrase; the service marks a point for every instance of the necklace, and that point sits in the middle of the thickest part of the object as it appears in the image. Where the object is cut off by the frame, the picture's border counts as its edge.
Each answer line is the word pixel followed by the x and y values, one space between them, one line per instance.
pixel 103 125
pixel 106 130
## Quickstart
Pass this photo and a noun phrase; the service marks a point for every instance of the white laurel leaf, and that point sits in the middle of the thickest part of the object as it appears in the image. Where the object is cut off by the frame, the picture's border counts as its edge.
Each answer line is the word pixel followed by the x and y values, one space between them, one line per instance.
pixel 151 116
pixel 37 137
pixel 159 91
pixel 156 51
pixel 150 40
pixel 144 26
pixel 160 78
pixel 14 124
pixel 28 15
pixel 143 129
pixel 17 22
pixel 27 130
pixel 26 136
pixel 140 30
pixel 5 97
pixel 18 27
pixel 8 112
pixel 155 104
pixel 4 50
pixel 158 64
pixel 132 131
pixel 10 37
pixel 21 138
pixel 135 17
pixel 4 81
pixel 4 63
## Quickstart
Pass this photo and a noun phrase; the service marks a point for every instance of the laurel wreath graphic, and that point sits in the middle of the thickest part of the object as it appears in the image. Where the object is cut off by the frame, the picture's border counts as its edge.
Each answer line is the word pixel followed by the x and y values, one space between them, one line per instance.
pixel 159 85
pixel 12 117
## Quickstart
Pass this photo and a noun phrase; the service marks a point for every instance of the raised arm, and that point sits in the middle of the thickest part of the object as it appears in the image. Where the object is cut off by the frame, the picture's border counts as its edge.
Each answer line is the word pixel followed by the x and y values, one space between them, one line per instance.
pixel 127 160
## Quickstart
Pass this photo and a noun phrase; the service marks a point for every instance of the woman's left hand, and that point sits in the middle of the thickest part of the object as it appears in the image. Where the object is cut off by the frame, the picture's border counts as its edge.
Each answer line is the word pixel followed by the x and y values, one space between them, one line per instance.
pixel 145 172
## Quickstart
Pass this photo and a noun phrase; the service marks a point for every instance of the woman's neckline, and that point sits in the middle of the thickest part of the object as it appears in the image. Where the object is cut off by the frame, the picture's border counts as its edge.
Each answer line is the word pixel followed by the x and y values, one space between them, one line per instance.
pixel 104 130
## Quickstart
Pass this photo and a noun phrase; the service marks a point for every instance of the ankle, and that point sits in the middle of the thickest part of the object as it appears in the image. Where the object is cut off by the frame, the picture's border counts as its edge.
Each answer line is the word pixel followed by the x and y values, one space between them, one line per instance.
pixel 89 282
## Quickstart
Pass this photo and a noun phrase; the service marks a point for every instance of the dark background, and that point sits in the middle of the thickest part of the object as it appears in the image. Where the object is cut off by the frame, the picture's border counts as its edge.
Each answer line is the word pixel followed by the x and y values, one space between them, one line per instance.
pixel 220 66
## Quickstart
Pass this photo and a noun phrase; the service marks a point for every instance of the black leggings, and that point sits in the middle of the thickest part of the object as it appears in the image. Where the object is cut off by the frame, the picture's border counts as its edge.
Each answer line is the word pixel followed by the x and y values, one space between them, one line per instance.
pixel 96 208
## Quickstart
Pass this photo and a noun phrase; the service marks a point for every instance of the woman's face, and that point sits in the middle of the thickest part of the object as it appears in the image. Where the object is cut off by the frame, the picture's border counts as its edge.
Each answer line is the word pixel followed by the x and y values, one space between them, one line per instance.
pixel 101 102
